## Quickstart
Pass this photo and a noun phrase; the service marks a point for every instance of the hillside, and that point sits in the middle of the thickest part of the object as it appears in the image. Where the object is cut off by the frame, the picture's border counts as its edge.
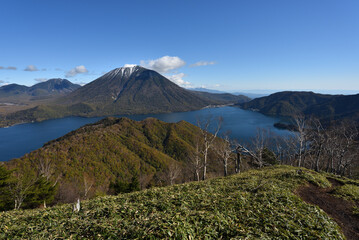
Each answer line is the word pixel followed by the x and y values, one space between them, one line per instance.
pixel 325 107
pixel 113 149
pixel 258 204
pixel 225 97
pixel 126 90
pixel 15 98
pixel 52 87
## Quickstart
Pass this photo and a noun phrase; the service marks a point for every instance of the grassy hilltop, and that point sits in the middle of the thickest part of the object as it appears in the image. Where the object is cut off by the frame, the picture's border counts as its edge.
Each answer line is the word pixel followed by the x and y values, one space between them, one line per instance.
pixel 258 204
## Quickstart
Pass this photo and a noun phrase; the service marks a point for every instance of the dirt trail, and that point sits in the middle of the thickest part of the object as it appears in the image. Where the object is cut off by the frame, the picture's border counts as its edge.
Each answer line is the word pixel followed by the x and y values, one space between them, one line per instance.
pixel 339 209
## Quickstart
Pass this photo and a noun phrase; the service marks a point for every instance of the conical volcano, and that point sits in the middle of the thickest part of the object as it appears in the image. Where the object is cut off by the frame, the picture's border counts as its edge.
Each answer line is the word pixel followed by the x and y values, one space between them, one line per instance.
pixel 125 90
pixel 135 90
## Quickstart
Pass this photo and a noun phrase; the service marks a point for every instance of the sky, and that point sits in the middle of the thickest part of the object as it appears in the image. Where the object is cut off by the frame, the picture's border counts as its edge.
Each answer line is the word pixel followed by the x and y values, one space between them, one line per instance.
pixel 239 45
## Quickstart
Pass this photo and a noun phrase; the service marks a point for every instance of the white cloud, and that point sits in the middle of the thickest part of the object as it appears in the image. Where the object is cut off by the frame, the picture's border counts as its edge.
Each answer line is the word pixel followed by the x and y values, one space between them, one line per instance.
pixel 3 83
pixel 31 68
pixel 202 63
pixel 177 78
pixel 81 83
pixel 76 70
pixel 41 79
pixel 8 68
pixel 163 64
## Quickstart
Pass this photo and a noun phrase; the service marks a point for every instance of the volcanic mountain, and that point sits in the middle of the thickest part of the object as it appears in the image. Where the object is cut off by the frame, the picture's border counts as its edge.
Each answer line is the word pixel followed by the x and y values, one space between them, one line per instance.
pixel 125 90
pixel 137 90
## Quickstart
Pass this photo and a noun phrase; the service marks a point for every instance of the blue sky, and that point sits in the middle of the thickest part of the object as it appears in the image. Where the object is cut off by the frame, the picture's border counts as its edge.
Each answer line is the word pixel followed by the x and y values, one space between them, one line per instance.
pixel 226 45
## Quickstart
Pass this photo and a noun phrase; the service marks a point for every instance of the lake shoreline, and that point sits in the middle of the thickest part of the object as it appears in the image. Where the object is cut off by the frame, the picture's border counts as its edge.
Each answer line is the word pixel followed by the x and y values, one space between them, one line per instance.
pixel 2 125
pixel 23 138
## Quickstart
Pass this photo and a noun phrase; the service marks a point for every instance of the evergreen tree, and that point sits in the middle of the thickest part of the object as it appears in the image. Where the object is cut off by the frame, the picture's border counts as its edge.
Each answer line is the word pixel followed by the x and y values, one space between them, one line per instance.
pixel 42 192
pixel 135 184
pixel 119 187
pixel 5 196
pixel 269 156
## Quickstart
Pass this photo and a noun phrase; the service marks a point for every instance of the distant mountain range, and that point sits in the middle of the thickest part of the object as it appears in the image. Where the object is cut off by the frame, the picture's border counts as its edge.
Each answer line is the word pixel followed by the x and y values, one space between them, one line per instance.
pixel 222 97
pixel 126 90
pixel 323 106
pixel 201 89
pixel 50 88
pixel 247 94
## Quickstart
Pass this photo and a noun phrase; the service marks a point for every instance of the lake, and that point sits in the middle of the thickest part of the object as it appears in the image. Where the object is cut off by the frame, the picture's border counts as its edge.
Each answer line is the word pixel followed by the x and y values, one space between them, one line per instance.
pixel 17 140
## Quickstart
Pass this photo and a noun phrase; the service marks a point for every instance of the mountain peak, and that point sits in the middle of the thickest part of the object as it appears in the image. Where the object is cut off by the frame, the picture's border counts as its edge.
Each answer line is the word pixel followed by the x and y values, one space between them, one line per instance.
pixel 126 71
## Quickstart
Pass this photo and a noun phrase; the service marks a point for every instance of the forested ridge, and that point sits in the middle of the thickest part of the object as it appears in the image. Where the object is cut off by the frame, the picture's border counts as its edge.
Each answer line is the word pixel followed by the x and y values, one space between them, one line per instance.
pixel 291 103
pixel 105 157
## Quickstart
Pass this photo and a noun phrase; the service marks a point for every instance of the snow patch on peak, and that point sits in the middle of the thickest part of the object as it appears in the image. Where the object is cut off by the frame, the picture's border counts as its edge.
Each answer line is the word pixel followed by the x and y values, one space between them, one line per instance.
pixel 128 69
pixel 129 65
pixel 125 71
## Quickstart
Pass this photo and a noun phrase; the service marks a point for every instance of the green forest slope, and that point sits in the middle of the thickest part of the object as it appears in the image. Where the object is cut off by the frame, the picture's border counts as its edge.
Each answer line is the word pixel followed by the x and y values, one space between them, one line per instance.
pixel 113 149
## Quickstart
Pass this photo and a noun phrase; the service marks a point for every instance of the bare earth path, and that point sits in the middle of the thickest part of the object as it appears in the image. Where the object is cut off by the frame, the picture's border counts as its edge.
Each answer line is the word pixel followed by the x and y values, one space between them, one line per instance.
pixel 339 209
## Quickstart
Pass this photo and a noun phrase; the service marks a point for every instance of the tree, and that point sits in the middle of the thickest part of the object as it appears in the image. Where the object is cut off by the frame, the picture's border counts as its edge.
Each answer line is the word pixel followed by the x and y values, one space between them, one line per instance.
pixel 208 139
pixel 195 162
pixel 120 186
pixel 269 157
pixel 5 195
pixel 173 171
pixel 44 165
pixel 317 140
pixel 29 191
pixel 88 183
pixel 41 192
pixel 134 184
pixel 238 161
pixel 348 146
pixel 223 149
pixel 21 188
pixel 256 148
pixel 301 136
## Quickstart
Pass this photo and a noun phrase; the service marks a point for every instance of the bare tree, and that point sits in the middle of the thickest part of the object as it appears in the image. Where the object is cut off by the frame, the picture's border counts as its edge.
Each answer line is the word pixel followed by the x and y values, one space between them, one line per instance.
pixel 173 171
pixel 256 160
pixel 20 189
pixel 255 148
pixel 280 148
pixel 44 165
pixel 301 136
pixel 195 161
pixel 348 147
pixel 88 183
pixel 208 139
pixel 317 140
pixel 331 147
pixel 223 149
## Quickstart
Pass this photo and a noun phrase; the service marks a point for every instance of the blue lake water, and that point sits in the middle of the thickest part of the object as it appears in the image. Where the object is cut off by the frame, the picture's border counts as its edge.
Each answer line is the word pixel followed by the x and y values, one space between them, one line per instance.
pixel 17 140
